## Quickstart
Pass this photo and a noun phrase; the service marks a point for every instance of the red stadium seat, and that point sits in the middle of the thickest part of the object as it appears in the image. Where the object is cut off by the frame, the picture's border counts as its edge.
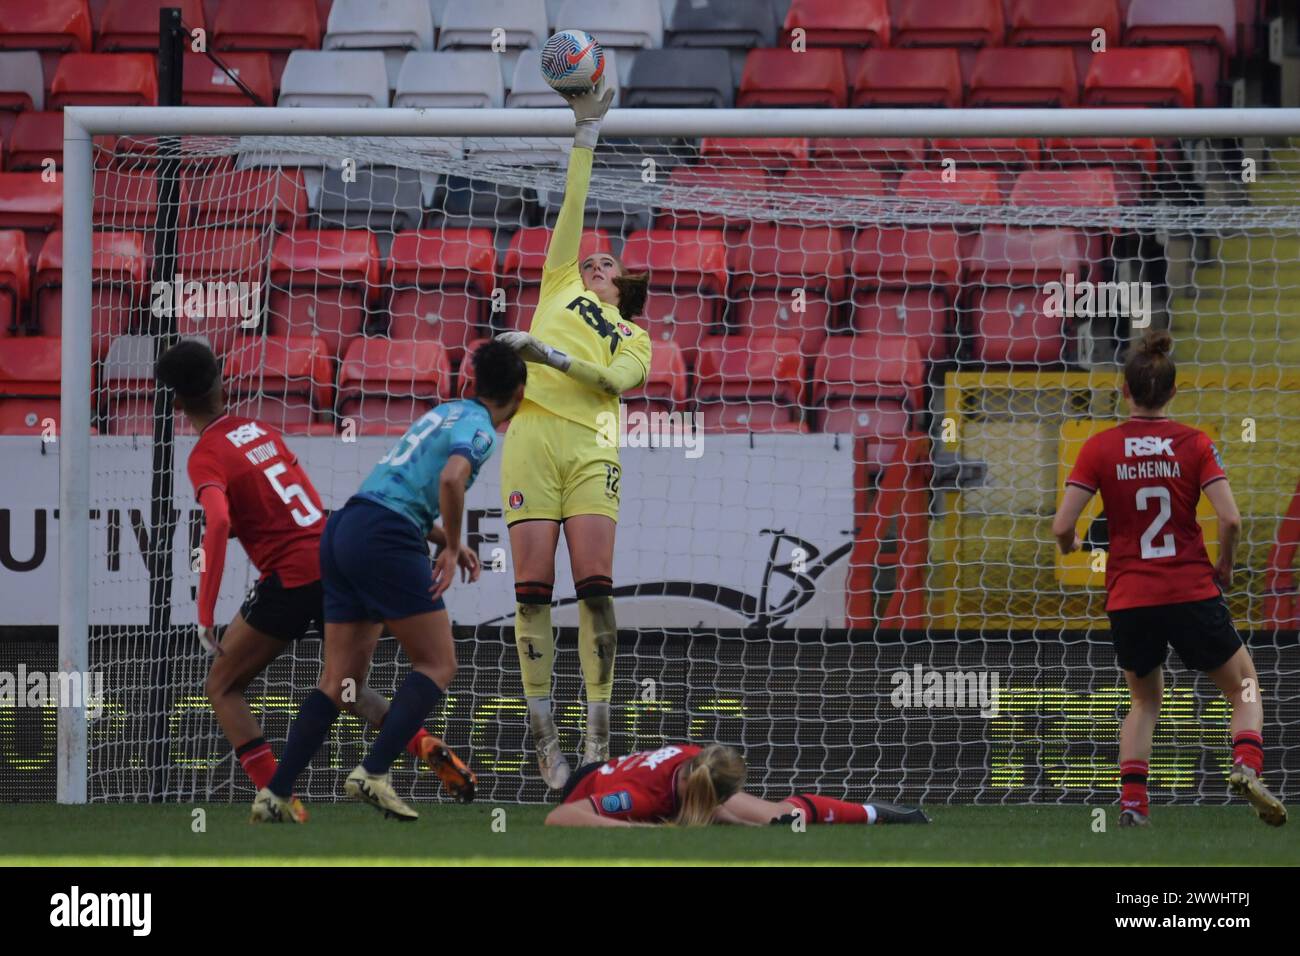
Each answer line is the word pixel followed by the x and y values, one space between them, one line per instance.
pixel 1051 21
pixel 442 282
pixel 832 193
pixel 750 383
pixel 1012 327
pixel 665 385
pixel 868 153
pixel 321 282
pixel 1008 256
pixel 219 256
pixel 1024 77
pixel 284 382
pixel 256 25
pixel 1157 77
pixel 788 280
pixel 868 384
pixel 897 258
pixel 36 136
pixel 923 77
pixel 1065 187
pixel 922 315
pixel 1133 161
pixel 1208 28
pixel 56 25
pixel 770 153
pixel 974 151
pixel 131 25
pixel 126 199
pixel 104 79
pixel 693 185
pixel 974 187
pixel 206 84
pixel 385 385
pixel 14 284
pixel 835 23
pixel 688 283
pixel 247 197
pixel 948 23
pixel 786 78
pixel 29 203
pixel 29 384
pixel 119 280
pixel 521 268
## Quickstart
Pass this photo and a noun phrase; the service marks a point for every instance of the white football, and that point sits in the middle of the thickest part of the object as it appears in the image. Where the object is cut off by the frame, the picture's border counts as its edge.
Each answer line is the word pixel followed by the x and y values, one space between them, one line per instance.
pixel 572 61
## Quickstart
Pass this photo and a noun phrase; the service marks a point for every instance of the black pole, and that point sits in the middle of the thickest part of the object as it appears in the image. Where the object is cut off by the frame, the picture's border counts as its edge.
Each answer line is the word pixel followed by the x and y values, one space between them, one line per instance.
pixel 162 516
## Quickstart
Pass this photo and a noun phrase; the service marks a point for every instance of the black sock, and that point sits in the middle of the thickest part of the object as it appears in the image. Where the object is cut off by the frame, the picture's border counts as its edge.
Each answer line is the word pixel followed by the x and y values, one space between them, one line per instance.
pixel 413 702
pixel 307 732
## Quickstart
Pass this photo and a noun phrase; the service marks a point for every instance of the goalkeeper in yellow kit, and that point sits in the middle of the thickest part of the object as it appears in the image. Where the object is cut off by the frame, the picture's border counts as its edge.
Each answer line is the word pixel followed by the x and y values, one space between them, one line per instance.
pixel 558 467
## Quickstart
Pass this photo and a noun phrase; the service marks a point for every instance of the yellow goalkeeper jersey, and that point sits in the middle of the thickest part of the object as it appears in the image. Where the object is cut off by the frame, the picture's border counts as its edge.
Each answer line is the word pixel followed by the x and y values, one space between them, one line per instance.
pixel 573 320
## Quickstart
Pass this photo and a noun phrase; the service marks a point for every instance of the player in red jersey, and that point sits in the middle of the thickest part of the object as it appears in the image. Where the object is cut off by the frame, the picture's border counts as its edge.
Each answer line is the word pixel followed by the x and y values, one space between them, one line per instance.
pixel 251 487
pixel 1161 587
pixel 689 785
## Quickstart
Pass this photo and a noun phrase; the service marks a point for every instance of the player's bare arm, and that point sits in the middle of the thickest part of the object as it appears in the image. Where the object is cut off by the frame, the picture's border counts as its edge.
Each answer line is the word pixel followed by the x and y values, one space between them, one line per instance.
pixel 1073 502
pixel 1219 494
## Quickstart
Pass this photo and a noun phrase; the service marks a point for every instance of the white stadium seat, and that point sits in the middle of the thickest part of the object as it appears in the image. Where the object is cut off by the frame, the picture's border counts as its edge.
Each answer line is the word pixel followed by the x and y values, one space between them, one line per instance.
pixel 335 78
pixel 468 78
pixel 470 23
pixel 20 72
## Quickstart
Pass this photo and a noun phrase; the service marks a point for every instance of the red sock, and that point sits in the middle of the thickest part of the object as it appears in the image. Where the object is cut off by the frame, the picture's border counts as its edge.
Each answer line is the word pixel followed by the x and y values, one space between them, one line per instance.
pixel 1133 786
pixel 827 810
pixel 413 745
pixel 1248 749
pixel 257 760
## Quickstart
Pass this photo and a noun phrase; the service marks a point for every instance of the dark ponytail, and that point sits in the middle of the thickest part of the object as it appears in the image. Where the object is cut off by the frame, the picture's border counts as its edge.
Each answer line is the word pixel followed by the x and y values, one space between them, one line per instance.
pixel 1149 371
pixel 632 292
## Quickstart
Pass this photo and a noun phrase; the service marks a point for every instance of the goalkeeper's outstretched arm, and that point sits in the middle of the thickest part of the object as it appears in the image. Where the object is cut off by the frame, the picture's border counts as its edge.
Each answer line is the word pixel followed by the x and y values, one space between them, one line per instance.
pixel 566 238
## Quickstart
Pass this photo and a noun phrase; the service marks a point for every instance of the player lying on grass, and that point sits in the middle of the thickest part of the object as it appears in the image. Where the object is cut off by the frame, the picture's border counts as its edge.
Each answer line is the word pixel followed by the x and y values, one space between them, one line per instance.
pixel 689 785
pixel 1161 587
pixel 375 570
pixel 554 470
pixel 252 488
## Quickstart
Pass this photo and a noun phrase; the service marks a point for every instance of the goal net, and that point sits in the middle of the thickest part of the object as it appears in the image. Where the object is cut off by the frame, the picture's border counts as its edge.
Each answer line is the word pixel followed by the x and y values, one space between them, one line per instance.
pixel 874 362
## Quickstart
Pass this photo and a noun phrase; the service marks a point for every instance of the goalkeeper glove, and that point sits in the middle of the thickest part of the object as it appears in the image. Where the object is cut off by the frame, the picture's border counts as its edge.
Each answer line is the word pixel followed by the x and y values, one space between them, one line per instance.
pixel 535 350
pixel 589 109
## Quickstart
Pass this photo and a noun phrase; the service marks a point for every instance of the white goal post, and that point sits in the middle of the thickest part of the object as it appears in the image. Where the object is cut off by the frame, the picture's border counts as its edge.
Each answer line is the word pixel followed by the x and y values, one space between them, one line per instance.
pixel 83 123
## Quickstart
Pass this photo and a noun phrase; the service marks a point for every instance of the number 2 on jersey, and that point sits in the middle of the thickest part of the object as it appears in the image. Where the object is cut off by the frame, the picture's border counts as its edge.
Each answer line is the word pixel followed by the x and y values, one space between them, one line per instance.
pixel 1165 549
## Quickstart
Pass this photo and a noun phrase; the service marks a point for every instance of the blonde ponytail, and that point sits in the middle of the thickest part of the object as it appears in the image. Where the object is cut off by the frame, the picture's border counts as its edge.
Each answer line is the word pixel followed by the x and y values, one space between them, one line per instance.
pixel 713 776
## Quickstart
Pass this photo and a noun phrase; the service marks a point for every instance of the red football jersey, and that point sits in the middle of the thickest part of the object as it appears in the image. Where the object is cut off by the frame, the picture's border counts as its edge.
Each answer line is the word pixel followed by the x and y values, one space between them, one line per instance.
pixel 275 511
pixel 1150 473
pixel 641 786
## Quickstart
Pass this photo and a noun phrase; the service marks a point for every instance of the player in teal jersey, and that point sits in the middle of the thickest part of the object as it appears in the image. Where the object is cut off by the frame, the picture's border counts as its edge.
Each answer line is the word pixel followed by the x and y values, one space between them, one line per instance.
pixel 375 571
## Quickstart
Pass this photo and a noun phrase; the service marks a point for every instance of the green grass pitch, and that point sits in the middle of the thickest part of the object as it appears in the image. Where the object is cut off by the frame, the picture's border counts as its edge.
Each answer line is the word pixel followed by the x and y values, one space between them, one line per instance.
pixel 445 835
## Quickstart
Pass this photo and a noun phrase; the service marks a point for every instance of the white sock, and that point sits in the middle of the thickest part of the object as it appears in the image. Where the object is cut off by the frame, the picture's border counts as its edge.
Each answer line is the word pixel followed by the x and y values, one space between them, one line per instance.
pixel 871 813
pixel 598 719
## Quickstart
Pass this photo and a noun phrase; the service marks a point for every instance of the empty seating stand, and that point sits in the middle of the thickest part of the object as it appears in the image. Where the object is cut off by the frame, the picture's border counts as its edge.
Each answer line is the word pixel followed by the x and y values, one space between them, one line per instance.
pixel 665 386
pixel 50 27
pixel 29 385
pixel 119 276
pixel 322 283
pixel 275 28
pixel 864 23
pixel 385 384
pixel 868 385
pixel 750 383
pixel 30 203
pixel 1156 77
pixel 733 25
pixel 469 26
pixel 688 283
pixel 455 78
pixel 244 197
pixel 1077 25
pixel 14 272
pixel 906 282
pixel 21 85
pixel 972 23
pixel 1208 29
pixel 680 78
pixel 394 27
pixel 355 78
pixel 206 84
pixel 442 283
pixel 627 26
pixel 387 199
pixel 920 77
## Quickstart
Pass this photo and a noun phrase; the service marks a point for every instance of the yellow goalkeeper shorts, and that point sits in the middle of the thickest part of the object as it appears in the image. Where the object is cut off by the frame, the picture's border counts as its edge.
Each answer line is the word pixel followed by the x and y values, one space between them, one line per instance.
pixel 553 468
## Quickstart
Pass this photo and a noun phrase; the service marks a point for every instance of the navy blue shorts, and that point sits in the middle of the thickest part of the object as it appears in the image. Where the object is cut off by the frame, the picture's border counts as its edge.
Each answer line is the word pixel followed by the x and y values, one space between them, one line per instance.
pixel 374 565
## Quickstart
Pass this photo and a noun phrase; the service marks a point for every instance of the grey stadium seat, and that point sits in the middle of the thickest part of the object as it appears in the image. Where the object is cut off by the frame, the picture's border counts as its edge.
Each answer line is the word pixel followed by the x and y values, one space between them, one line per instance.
pixel 722 23
pixel 20 72
pixel 334 78
pixel 470 23
pixel 393 26
pixel 529 89
pixel 469 204
pixel 680 78
pixel 469 78
pixel 385 199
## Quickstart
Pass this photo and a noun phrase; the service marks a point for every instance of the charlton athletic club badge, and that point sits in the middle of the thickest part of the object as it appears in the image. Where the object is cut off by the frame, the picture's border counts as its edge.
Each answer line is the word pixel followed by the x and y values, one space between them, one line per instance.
pixel 516 500
pixel 625 328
